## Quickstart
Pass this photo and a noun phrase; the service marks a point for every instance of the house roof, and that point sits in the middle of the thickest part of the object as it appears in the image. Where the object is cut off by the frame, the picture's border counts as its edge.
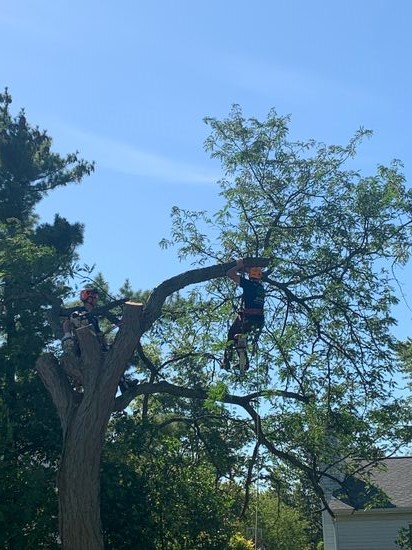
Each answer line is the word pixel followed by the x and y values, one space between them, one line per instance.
pixel 388 485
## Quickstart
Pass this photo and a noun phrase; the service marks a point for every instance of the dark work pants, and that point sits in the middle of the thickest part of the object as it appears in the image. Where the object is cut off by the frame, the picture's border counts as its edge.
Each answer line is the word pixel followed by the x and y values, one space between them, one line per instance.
pixel 243 324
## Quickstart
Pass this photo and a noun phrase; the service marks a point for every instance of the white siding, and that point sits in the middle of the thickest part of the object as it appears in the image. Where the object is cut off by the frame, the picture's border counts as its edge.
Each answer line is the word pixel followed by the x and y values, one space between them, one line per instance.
pixel 362 531
pixel 328 527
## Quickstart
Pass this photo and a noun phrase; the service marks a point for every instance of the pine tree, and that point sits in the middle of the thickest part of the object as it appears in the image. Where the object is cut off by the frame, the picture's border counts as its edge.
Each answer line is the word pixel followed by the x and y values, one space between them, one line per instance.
pixel 35 260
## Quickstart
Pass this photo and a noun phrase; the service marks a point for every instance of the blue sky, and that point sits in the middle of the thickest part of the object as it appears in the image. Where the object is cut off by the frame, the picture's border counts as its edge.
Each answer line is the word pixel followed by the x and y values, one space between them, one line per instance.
pixel 128 84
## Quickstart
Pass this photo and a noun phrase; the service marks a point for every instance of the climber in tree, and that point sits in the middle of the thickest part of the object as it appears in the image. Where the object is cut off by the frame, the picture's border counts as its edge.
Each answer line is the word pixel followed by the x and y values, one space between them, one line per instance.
pixel 83 316
pixel 250 316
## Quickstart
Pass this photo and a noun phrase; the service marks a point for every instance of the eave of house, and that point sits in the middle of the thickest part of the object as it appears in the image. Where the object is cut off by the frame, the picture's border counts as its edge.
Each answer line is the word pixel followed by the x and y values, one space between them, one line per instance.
pixel 373 511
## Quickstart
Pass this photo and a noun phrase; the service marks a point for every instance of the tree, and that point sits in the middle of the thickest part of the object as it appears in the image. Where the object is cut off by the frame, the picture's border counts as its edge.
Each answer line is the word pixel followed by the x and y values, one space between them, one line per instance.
pixel 404 540
pixel 326 359
pixel 160 487
pixel 273 524
pixel 333 238
pixel 35 260
pixel 405 355
pixel 84 417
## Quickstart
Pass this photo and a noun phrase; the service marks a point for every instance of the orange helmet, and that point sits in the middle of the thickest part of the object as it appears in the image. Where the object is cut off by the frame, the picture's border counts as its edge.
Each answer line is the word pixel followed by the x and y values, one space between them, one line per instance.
pixel 255 272
pixel 87 293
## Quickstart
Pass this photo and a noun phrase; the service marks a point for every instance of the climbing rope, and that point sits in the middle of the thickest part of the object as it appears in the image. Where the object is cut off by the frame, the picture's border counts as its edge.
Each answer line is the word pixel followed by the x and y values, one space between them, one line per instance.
pixel 257 485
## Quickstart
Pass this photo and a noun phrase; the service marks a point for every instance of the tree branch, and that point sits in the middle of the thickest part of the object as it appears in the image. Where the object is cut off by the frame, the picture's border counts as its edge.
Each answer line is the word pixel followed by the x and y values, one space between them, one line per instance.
pixel 287 457
pixel 118 357
pixel 147 388
pixel 248 481
pixel 57 384
pixel 168 287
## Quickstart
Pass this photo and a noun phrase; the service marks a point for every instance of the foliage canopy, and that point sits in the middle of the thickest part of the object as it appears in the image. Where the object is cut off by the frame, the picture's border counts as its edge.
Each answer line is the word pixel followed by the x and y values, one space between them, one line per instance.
pixel 322 385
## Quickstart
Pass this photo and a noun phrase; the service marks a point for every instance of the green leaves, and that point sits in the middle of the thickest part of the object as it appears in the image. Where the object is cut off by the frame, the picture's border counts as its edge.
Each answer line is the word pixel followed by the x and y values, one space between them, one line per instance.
pixel 216 395
pixel 333 237
pixel 163 476
pixel 28 167
pixel 35 263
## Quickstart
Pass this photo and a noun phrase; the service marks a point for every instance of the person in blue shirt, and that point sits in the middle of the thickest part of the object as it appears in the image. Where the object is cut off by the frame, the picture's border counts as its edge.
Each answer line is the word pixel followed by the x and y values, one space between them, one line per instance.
pixel 250 317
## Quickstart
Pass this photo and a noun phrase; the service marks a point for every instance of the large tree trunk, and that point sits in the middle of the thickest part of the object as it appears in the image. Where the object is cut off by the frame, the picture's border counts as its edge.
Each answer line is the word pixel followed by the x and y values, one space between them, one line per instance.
pixel 84 408
pixel 84 417
pixel 78 484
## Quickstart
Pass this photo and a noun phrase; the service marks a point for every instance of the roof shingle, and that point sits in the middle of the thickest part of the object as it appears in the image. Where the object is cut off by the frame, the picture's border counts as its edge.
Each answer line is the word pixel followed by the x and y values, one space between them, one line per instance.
pixel 389 486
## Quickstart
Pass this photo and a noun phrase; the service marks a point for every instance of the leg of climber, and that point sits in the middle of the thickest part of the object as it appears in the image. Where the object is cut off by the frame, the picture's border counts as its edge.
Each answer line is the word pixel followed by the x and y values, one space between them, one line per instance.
pixel 231 342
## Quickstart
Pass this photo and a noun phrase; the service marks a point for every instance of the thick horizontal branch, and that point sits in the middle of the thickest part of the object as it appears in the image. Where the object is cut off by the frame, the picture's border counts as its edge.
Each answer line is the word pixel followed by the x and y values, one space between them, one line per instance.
pixel 244 402
pixel 194 276
pixel 148 388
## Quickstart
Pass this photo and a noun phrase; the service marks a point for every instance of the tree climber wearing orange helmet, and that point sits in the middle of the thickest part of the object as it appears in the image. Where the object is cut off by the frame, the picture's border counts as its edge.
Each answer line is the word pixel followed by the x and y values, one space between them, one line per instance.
pixel 83 316
pixel 250 317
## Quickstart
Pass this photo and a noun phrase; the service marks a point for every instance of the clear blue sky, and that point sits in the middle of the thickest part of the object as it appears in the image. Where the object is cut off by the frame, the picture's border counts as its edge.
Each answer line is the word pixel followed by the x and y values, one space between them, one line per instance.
pixel 128 83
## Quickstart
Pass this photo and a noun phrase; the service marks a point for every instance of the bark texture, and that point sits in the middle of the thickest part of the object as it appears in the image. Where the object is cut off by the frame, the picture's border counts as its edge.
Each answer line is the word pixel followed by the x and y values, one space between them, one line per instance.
pixel 84 412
